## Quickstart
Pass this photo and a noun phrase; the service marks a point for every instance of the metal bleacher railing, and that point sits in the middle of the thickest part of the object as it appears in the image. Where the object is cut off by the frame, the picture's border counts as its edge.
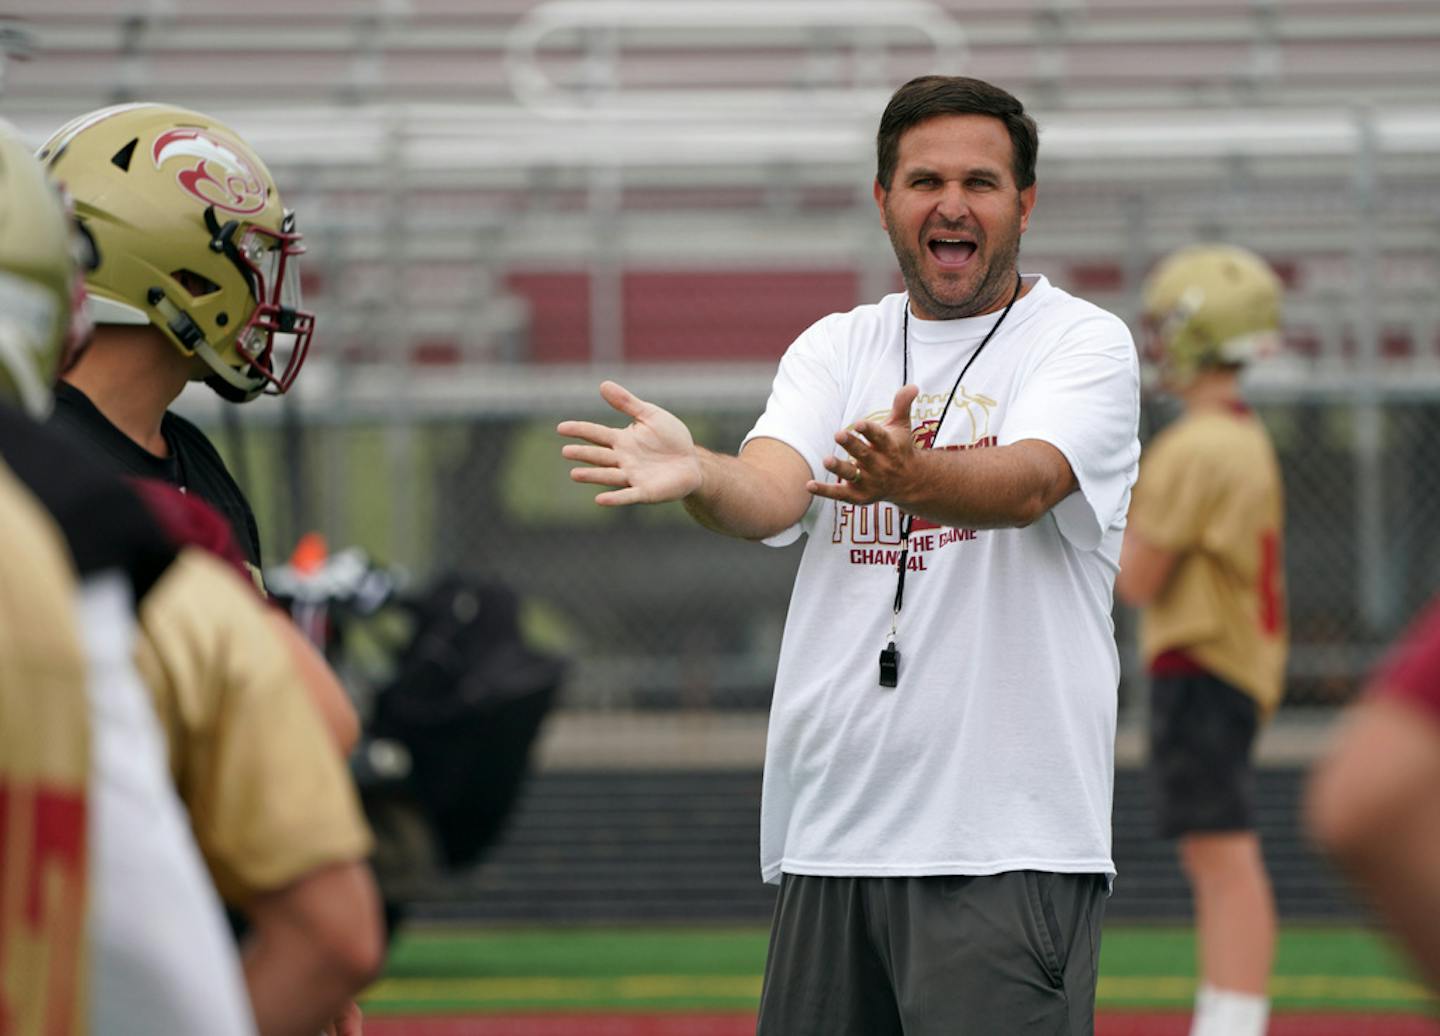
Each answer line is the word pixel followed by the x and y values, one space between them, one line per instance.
pixel 506 201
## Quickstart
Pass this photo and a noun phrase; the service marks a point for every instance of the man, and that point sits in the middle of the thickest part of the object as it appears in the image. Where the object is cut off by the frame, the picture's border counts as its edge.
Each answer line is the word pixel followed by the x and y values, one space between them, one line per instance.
pixel 126 935
pixel 1371 802
pixel 1203 558
pixel 195 276
pixel 267 796
pixel 939 765
pixel 198 278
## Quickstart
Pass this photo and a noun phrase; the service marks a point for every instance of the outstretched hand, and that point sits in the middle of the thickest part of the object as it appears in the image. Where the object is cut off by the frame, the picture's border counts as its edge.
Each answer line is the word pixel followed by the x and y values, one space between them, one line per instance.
pixel 653 460
pixel 881 456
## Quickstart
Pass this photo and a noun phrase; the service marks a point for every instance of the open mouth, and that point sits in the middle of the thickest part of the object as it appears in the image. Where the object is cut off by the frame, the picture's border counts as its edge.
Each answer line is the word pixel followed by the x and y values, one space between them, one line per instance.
pixel 951 251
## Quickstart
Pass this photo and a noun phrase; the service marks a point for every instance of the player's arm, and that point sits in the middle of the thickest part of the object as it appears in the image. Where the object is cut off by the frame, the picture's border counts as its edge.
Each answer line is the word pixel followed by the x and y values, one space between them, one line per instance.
pixel 271 803
pixel 1144 568
pixel 313 946
pixel 1371 805
pixel 331 701
pixel 655 460
pixel 993 488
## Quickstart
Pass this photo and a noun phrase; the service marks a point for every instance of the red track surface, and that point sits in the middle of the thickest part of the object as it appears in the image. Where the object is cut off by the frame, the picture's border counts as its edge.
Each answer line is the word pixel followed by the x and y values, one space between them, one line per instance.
pixel 1112 1023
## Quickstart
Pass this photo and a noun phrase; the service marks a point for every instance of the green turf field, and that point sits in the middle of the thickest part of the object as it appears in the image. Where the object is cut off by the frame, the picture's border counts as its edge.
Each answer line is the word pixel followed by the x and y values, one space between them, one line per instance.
pixel 718 969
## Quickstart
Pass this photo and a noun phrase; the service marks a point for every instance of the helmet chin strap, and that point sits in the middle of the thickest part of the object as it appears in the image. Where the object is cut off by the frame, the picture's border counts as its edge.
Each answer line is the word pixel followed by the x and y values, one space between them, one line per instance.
pixel 245 388
pixel 212 359
pixel 108 311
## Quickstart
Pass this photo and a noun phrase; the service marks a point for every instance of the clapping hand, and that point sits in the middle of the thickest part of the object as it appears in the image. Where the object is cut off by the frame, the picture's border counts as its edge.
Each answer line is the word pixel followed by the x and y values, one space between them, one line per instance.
pixel 881 455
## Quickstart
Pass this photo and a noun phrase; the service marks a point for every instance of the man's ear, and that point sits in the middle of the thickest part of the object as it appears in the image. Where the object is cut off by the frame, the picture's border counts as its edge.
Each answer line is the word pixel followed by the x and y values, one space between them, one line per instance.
pixel 1027 204
pixel 880 193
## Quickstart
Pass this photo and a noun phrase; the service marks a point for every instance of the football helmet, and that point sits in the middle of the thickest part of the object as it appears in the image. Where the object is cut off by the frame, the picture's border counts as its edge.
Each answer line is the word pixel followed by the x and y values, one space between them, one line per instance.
pixel 39 279
pixel 1210 305
pixel 192 237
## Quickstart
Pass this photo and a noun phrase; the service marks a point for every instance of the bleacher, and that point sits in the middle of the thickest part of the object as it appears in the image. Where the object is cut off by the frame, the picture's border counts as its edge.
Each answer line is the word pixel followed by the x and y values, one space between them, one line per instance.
pixel 520 180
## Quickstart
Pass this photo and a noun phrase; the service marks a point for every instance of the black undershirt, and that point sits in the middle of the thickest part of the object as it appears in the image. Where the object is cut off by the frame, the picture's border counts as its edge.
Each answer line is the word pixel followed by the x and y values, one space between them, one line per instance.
pixel 105 523
pixel 193 463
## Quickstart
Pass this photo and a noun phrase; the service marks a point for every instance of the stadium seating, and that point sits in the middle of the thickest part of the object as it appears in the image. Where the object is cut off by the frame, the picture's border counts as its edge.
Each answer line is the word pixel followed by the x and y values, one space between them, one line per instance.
pixel 529 138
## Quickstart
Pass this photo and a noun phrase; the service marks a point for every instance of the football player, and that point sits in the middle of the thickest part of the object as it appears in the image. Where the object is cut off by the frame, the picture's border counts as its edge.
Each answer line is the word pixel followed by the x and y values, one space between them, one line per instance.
pixel 195 277
pixel 1202 557
pixel 198 279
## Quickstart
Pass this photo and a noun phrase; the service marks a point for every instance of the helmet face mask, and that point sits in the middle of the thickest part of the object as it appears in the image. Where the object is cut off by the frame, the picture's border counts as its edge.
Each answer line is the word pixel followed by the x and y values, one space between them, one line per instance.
pixel 193 239
pixel 39 280
pixel 1208 307
pixel 276 337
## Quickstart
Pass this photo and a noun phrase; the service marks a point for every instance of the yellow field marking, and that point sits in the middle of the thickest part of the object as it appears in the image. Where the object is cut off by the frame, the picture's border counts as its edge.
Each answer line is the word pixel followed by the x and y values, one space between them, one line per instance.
pixel 1282 987
pixel 1325 988
pixel 630 987
pixel 1351 987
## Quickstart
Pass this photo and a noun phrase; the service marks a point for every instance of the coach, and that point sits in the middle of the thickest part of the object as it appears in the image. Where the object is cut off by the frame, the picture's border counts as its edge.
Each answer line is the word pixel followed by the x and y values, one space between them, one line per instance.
pixel 940 760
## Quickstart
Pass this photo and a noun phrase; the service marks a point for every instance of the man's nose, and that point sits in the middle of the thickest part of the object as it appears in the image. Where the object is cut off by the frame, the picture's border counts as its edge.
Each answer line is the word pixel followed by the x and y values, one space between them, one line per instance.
pixel 953 204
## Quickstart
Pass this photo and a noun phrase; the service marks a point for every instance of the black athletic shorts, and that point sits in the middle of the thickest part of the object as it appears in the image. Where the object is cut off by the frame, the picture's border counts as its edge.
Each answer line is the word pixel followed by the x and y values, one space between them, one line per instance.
pixel 1202 730
pixel 1013 954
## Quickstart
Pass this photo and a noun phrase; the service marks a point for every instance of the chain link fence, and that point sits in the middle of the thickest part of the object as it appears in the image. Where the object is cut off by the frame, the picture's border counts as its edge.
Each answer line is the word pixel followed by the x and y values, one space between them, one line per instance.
pixel 657 613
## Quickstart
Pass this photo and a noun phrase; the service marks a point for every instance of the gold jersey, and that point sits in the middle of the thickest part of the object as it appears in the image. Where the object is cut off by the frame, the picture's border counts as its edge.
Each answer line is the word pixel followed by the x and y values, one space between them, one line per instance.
pixel 268 794
pixel 44 768
pixel 1210 491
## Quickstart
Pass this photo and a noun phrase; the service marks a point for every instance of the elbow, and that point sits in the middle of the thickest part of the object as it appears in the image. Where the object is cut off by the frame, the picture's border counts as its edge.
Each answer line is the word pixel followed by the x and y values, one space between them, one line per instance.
pixel 344 927
pixel 358 963
pixel 1332 823
pixel 1043 494
pixel 1030 510
pixel 1351 798
pixel 355 945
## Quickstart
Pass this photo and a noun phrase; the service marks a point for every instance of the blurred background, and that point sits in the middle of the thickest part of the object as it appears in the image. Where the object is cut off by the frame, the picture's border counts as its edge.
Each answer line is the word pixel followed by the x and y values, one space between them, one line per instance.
pixel 506 201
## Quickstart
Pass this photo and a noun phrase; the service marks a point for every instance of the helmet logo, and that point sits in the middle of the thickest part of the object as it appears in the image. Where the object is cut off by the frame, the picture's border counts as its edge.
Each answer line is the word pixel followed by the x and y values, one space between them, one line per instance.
pixel 220 174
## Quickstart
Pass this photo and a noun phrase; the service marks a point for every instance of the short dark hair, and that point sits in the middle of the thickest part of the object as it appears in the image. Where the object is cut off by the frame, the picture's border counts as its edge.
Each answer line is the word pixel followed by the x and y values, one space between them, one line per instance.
pixel 928 96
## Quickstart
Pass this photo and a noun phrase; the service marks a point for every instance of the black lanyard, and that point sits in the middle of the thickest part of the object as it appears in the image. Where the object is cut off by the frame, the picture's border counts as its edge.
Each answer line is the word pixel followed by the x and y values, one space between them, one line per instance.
pixel 890 656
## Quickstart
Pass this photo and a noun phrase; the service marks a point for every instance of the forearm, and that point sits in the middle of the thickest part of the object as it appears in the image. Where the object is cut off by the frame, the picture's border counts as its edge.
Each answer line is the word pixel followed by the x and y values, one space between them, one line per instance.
pixel 290 993
pixel 991 488
pixel 313 946
pixel 745 496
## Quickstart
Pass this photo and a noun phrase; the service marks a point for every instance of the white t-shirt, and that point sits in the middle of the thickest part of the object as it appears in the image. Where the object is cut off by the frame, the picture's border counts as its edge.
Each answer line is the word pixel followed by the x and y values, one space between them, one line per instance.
pixel 163 959
pixel 996 750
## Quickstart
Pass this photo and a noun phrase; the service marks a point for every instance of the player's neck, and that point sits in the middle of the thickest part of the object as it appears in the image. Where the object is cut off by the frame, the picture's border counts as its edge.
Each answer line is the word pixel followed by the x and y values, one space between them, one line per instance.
pixel 132 378
pixel 1213 390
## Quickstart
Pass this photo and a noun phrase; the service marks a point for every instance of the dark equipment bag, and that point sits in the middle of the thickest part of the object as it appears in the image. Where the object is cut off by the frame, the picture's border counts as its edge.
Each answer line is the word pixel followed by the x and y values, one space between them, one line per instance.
pixel 467 702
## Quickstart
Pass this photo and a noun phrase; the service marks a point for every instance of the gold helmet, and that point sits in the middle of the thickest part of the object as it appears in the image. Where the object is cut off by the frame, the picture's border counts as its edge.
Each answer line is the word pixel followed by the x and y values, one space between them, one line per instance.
pixel 39 279
pixel 192 237
pixel 1210 305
